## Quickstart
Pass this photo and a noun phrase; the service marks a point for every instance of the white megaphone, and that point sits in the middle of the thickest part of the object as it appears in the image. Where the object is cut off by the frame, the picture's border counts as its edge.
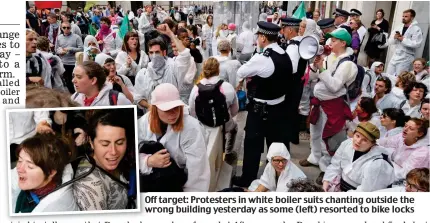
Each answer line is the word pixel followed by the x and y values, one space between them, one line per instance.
pixel 309 48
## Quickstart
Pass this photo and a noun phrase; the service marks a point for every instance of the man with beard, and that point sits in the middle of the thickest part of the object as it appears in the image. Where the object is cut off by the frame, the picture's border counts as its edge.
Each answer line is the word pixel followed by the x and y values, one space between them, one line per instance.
pixel 406 39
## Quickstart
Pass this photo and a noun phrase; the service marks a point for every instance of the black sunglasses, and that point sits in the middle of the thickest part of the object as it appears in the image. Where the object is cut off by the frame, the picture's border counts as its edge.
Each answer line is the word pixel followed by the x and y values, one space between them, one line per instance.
pixel 382 78
pixel 66 27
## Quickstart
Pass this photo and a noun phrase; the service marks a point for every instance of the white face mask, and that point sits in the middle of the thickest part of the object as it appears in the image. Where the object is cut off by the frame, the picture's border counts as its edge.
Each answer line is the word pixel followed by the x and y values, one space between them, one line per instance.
pixel 158 61
pixel 230 32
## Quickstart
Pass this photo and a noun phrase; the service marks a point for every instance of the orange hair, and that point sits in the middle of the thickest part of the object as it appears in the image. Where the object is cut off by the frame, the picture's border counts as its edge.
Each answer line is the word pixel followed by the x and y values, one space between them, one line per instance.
pixel 155 122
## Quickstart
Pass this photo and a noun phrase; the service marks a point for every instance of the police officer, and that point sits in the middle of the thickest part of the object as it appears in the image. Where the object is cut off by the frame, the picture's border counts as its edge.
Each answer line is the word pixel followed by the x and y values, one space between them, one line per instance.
pixel 326 26
pixel 355 14
pixel 269 81
pixel 290 27
pixel 341 17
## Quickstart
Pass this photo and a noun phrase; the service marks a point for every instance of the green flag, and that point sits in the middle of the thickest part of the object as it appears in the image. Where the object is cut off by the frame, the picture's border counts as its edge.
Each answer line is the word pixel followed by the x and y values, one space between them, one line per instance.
pixel 300 12
pixel 92 30
pixel 125 27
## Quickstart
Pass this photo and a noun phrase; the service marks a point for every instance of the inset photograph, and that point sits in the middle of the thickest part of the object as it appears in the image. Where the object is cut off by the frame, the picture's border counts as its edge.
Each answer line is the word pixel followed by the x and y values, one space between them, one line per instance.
pixel 72 160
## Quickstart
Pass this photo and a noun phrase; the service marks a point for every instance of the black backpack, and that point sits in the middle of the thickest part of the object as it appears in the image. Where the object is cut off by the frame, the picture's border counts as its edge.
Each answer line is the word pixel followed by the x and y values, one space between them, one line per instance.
pixel 169 179
pixel 211 106
pixel 354 89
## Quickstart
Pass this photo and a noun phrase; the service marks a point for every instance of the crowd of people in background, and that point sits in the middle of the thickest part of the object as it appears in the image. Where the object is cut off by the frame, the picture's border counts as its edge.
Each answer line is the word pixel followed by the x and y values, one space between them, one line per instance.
pixel 368 129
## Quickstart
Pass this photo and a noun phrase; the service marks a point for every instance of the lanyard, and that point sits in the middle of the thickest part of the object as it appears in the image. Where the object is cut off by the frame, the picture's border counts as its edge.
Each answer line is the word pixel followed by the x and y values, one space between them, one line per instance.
pixel 35 198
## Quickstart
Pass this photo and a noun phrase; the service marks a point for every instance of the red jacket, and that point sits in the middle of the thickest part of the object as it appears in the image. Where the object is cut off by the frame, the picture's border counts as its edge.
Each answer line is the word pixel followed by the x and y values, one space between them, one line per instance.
pixel 337 112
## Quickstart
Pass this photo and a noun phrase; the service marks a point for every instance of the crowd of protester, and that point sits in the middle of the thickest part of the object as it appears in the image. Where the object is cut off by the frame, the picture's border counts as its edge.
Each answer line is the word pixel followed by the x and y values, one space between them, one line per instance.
pixel 368 128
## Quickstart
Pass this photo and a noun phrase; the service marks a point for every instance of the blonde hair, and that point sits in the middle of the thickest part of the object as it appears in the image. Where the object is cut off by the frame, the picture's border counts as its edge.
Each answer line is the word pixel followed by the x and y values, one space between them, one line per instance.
pixel 219 29
pixel 358 21
pixel 210 67
pixel 405 79
pixel 79 56
pixel 30 31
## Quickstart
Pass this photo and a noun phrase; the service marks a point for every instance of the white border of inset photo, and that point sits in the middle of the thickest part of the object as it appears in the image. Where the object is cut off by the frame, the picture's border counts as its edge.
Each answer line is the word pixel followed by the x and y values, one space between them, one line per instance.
pixel 11 214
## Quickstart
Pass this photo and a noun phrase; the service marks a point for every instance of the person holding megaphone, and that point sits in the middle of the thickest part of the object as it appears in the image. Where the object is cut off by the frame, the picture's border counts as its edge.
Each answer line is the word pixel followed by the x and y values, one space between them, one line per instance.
pixel 330 111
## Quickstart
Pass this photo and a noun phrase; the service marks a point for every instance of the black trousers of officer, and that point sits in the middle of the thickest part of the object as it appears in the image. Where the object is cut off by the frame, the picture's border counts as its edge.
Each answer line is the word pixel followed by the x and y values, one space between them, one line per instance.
pixel 293 109
pixel 274 128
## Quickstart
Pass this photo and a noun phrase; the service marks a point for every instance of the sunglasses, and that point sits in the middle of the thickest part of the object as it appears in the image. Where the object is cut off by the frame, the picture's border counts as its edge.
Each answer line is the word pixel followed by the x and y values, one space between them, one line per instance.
pixel 382 78
pixel 66 27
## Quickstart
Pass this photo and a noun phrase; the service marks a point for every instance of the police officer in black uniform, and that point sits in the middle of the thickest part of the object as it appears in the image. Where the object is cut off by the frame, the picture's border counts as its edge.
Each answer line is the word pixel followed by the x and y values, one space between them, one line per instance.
pixel 290 30
pixel 269 79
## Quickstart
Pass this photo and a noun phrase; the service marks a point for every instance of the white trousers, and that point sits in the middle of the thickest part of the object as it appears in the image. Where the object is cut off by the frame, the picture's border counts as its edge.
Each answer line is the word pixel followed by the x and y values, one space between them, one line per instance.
pixel 319 155
pixel 398 65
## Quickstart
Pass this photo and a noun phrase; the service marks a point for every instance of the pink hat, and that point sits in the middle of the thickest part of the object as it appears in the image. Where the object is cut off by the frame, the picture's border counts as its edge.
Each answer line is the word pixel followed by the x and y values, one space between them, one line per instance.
pixel 165 97
pixel 232 26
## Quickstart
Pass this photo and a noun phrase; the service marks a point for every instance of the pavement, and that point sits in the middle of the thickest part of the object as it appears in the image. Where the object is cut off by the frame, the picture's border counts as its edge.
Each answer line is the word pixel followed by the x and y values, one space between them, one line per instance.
pixel 298 152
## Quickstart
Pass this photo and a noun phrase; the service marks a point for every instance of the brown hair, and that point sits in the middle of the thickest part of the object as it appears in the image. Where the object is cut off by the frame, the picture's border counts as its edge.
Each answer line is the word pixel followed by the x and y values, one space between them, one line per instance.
pixel 423 126
pixel 106 20
pixel 422 60
pixel 43 43
pixel 47 152
pixel 159 42
pixel 210 67
pixel 93 69
pixel 52 16
pixel 419 177
pixel 41 97
pixel 413 13
pixel 127 36
pixel 155 122
pixel 405 79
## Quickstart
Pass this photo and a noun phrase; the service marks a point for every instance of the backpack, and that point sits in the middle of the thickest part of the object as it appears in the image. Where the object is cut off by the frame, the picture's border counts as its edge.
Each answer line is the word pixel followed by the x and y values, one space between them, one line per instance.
pixel 354 89
pixel 402 104
pixel 113 97
pixel 211 105
pixel 169 179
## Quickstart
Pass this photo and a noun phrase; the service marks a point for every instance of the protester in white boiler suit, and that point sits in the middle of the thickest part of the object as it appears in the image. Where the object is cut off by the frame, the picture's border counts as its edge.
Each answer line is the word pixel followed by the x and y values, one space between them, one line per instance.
pixel 228 67
pixel 23 125
pixel 358 164
pixel 161 69
pixel 183 142
pixel 211 73
pixel 406 39
pixel 329 105
pixel 417 180
pixel 279 171
pixel 245 43
pixel 369 81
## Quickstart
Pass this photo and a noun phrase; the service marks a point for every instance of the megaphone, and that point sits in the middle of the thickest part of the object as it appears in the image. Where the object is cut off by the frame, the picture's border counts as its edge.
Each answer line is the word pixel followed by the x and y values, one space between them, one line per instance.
pixel 309 48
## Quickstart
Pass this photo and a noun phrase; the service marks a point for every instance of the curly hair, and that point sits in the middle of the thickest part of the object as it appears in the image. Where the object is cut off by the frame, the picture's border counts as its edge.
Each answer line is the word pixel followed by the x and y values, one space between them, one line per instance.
pixel 405 79
pixel 419 177
pixel 303 185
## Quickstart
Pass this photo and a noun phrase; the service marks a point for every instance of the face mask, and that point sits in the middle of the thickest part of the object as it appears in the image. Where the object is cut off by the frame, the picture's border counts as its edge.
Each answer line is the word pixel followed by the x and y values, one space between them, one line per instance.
pixel 230 32
pixel 361 114
pixel 158 61
pixel 104 27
